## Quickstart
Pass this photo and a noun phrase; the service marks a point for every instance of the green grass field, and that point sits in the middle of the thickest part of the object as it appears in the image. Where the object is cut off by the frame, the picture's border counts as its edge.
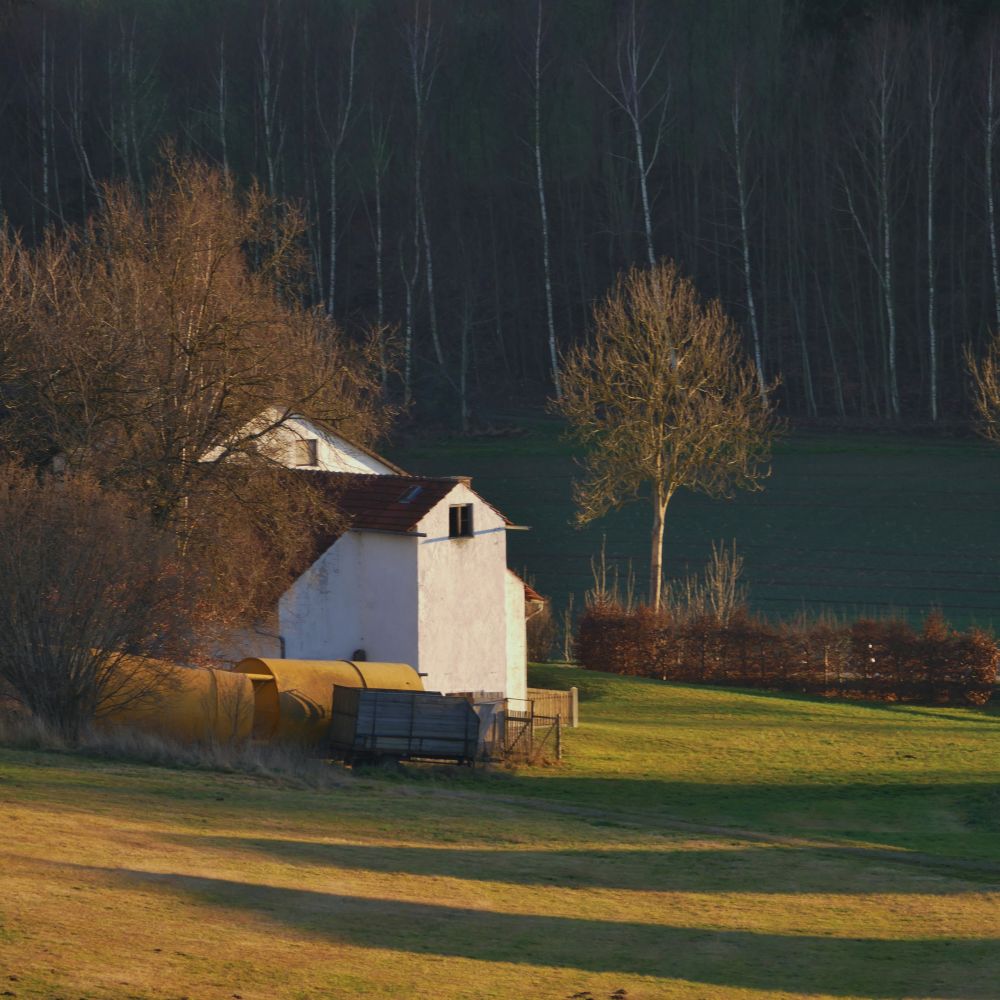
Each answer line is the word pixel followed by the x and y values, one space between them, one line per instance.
pixel 847 523
pixel 695 843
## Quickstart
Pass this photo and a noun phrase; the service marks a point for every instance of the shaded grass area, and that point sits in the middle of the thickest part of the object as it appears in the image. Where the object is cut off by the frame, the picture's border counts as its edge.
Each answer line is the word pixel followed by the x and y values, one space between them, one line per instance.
pixel 132 881
pixel 909 777
pixel 696 842
pixel 847 523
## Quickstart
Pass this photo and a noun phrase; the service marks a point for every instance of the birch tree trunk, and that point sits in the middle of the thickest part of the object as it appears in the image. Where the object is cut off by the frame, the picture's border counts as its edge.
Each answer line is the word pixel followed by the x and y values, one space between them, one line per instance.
pixel 876 164
pixel 77 101
pixel 660 501
pixel 335 140
pixel 886 86
pixel 463 371
pixel 268 88
pixel 633 81
pixel 632 87
pixel 543 209
pixel 220 109
pixel 423 66
pixel 131 121
pixel 932 96
pixel 409 294
pixel 46 205
pixel 380 164
pixel 743 199
pixel 990 124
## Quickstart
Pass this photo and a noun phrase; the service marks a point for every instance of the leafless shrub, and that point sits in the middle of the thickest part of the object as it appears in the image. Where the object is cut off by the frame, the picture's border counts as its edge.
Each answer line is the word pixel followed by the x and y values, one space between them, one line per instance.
pixel 541 631
pixel 985 376
pixel 717 593
pixel 873 660
pixel 154 336
pixel 608 584
pixel 85 580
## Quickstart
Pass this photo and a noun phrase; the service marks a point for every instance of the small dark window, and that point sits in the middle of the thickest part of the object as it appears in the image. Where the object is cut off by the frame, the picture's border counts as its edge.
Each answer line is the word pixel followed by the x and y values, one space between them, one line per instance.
pixel 460 521
pixel 304 452
pixel 411 494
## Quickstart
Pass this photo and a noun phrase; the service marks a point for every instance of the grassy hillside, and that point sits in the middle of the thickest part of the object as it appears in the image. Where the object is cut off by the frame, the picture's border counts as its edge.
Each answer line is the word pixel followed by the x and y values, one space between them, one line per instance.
pixel 849 523
pixel 911 777
pixel 608 873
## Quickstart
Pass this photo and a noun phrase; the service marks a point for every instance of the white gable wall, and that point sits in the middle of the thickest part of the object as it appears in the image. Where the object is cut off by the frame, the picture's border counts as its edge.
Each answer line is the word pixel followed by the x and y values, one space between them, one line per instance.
pixel 517 638
pixel 333 453
pixel 447 606
pixel 360 594
pixel 463 640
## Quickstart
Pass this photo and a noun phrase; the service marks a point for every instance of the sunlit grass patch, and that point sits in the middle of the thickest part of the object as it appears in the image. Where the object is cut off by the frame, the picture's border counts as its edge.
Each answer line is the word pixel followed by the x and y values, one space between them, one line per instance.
pixel 694 843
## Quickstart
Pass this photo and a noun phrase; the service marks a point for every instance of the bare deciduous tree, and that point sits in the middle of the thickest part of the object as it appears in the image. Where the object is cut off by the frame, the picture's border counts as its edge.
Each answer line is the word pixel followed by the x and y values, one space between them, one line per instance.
pixel 985 375
pixel 633 79
pixel 85 582
pixel 147 341
pixel 663 398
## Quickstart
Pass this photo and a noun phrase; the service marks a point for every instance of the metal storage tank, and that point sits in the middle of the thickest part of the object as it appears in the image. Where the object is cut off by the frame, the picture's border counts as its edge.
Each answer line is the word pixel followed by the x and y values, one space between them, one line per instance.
pixel 186 704
pixel 293 699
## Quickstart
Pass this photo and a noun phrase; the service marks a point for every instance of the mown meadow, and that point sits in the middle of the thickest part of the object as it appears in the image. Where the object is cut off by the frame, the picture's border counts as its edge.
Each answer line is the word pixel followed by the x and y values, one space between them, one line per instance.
pixel 848 523
pixel 694 843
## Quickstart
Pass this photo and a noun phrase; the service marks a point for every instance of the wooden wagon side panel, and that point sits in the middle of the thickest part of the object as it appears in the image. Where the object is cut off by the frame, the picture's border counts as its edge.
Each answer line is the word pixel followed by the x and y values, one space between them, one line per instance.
pixel 404 724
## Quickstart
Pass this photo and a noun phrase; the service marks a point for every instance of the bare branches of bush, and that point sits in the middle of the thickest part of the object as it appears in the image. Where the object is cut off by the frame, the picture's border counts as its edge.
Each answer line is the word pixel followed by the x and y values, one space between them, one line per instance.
pixel 871 660
pixel 717 594
pixel 85 580
pixel 159 333
pixel 541 632
pixel 985 376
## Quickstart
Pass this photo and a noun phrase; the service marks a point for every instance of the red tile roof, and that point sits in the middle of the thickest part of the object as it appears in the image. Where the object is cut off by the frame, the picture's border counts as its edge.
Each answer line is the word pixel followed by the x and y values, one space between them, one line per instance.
pixel 383 503
pixel 530 594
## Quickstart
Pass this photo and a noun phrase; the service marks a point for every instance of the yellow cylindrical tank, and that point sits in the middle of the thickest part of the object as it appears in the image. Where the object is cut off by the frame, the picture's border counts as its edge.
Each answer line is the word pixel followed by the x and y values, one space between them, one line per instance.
pixel 186 704
pixel 293 699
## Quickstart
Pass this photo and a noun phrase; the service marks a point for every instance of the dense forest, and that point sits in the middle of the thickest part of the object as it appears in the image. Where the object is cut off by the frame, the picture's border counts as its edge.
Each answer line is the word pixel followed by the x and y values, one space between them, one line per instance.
pixel 474 174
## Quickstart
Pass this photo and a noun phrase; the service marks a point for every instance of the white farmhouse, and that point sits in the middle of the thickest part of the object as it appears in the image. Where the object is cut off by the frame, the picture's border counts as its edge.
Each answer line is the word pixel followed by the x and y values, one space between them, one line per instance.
pixel 298 443
pixel 418 576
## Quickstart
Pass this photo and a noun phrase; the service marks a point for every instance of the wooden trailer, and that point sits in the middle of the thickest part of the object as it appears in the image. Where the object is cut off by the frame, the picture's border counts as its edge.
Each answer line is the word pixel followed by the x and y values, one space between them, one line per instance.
pixel 370 724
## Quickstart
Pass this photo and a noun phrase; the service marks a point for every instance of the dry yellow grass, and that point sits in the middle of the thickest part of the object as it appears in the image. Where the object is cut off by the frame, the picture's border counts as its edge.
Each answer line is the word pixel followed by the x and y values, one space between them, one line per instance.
pixel 126 881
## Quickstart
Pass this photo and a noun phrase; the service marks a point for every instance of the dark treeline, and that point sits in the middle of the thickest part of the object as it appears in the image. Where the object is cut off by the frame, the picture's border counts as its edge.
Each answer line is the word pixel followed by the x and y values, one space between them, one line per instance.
pixel 475 173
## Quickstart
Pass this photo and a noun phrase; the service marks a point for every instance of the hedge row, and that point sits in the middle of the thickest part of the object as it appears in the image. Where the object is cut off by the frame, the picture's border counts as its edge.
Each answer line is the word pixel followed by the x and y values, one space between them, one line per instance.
pixel 871 660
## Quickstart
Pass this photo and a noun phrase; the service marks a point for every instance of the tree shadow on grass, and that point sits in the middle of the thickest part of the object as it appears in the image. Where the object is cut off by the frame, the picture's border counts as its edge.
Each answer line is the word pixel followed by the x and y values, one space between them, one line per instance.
pixel 744 869
pixel 938 967
pixel 947 819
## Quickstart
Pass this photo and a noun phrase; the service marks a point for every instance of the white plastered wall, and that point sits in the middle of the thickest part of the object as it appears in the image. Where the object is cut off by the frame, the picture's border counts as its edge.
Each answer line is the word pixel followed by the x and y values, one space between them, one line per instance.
pixel 462 605
pixel 360 594
pixel 517 638
pixel 447 606
pixel 333 453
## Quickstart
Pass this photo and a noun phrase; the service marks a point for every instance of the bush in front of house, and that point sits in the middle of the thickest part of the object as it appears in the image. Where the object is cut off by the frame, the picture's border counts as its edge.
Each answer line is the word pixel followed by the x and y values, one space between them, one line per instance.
pixel 541 633
pixel 867 659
